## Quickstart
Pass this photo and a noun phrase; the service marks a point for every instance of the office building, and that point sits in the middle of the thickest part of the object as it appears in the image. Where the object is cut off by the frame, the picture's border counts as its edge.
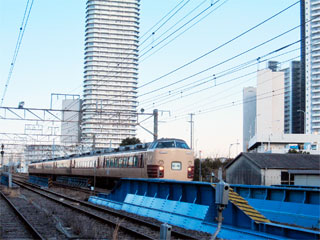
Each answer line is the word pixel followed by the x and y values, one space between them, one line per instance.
pixel 270 102
pixel 312 65
pixel 249 115
pixel 70 125
pixel 110 72
pixel 294 99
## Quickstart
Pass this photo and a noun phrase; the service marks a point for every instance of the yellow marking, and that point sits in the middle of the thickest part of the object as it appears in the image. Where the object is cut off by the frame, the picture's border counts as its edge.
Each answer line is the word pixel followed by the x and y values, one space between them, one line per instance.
pixel 255 215
pixel 248 209
pixel 260 220
pixel 243 205
pixel 238 200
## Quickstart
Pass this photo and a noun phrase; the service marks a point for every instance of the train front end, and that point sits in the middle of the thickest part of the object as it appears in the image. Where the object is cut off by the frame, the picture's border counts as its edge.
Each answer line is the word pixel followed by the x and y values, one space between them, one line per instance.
pixel 170 159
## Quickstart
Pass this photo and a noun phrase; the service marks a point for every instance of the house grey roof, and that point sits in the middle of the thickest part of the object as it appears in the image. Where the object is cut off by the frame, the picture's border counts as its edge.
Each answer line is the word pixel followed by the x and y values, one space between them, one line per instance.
pixel 282 161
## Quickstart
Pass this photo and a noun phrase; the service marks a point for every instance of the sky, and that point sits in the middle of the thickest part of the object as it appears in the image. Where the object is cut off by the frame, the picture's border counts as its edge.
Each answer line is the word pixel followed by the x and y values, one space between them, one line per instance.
pixel 50 60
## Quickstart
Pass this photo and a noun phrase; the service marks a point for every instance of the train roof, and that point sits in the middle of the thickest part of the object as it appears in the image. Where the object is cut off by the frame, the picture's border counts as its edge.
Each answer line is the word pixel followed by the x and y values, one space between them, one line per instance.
pixel 127 148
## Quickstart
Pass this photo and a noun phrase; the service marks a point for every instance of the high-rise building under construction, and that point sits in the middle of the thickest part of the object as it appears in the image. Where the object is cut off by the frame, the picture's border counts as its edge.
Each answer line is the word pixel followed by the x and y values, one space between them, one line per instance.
pixel 110 72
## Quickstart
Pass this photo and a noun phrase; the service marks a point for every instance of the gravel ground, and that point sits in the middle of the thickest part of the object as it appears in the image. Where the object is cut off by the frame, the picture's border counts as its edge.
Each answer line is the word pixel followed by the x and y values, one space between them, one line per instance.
pixel 84 196
pixel 40 219
pixel 11 227
pixel 76 224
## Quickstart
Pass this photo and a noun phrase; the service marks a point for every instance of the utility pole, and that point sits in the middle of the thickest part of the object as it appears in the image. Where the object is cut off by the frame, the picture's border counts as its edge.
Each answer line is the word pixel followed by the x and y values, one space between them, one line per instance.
pixel 2 153
pixel 200 174
pixel 155 124
pixel 191 130
pixel 93 142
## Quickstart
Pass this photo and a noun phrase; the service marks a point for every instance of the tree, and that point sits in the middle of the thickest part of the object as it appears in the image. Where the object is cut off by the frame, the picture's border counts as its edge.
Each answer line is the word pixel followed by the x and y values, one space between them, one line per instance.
pixel 130 141
pixel 207 167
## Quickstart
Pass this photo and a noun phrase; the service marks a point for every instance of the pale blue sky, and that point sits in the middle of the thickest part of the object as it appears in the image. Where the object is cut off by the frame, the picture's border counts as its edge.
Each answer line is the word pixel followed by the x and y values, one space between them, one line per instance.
pixel 51 60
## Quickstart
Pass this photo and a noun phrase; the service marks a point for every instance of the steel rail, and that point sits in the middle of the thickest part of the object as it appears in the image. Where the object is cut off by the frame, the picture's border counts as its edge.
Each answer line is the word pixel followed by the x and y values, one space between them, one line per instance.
pixel 134 233
pixel 153 226
pixel 28 225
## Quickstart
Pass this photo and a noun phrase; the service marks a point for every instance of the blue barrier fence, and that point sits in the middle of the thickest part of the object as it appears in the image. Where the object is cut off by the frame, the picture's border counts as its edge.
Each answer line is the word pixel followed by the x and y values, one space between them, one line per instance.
pixel 73 181
pixel 40 181
pixel 5 180
pixel 288 205
pixel 192 205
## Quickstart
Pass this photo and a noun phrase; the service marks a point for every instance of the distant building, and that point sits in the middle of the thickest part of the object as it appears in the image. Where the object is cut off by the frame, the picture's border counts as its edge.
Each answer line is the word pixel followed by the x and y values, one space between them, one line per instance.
pixel 282 143
pixel 274 169
pixel 312 65
pixel 270 101
pixel 70 125
pixel 294 99
pixel 110 72
pixel 249 115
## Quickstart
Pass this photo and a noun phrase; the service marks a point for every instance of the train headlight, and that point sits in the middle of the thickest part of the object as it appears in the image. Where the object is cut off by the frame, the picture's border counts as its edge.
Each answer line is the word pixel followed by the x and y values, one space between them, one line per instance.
pixel 189 169
pixel 161 168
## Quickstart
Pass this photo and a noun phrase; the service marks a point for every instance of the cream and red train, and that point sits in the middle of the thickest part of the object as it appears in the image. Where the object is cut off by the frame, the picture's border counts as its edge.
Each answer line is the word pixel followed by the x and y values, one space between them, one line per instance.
pixel 164 158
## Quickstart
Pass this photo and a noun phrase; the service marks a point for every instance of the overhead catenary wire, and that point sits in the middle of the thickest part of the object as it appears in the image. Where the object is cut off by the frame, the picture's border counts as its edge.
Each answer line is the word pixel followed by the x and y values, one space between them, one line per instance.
pixel 177 36
pixel 228 81
pixel 223 73
pixel 220 63
pixel 175 24
pixel 166 20
pixel 150 29
pixel 22 29
pixel 229 105
pixel 220 46
pixel 185 24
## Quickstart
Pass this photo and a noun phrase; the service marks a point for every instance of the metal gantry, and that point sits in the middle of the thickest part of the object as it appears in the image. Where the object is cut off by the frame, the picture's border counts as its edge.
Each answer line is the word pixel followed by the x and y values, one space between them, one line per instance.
pixel 41 138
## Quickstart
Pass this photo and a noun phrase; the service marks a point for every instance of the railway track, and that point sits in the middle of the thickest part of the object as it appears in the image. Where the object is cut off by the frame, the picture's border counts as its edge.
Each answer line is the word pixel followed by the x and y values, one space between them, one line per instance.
pixel 58 184
pixel 132 226
pixel 13 224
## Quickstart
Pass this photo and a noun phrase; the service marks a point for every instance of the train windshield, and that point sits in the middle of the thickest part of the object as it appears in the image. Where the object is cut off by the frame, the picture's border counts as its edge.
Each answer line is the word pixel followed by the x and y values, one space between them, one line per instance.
pixel 182 145
pixel 169 144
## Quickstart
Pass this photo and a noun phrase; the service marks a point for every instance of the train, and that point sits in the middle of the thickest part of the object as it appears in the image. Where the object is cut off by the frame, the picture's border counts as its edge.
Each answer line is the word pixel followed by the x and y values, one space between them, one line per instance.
pixel 166 158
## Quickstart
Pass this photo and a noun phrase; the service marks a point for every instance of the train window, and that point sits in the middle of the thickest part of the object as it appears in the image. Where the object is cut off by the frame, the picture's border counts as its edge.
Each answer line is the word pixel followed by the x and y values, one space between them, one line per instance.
pixel 167 144
pixel 182 145
pixel 125 162
pixel 120 162
pixel 130 162
pixel 135 161
pixel 152 145
pixel 140 164
pixel 111 164
pixel 176 166
pixel 116 162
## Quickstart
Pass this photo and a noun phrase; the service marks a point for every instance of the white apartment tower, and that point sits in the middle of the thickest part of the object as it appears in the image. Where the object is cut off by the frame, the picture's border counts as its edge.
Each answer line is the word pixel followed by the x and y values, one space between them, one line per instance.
pixel 110 72
pixel 249 115
pixel 312 45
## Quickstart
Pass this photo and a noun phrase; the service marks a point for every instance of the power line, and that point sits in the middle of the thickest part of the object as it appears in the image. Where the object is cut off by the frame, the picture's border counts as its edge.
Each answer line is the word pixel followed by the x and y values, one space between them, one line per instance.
pixel 185 24
pixel 231 104
pixel 222 45
pixel 166 20
pixel 18 45
pixel 230 80
pixel 225 61
pixel 161 19
pixel 142 60
pixel 174 24
pixel 220 74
